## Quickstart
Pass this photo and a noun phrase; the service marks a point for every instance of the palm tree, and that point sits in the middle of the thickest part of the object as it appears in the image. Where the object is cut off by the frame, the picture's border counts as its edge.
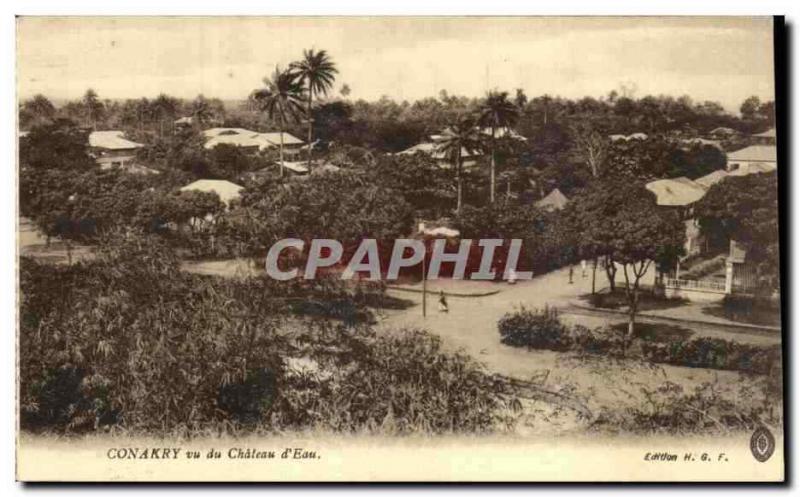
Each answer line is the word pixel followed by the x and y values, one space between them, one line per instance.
pixel 496 111
pixel 316 71
pixel 457 140
pixel 281 98
pixel 93 107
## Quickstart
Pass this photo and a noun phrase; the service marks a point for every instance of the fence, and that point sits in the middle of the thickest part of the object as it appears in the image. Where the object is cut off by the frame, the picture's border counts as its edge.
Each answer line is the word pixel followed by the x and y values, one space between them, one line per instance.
pixel 704 285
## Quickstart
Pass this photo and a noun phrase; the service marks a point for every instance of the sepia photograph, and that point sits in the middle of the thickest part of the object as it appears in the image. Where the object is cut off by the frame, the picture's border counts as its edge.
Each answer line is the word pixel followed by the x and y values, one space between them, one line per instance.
pixel 399 249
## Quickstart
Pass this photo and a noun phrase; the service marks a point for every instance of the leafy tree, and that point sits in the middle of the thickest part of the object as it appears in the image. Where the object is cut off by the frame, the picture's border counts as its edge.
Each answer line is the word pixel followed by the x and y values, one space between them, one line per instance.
pixel 345 206
pixel 621 223
pixel 56 145
pixel 36 111
pixel 745 209
pixel 496 111
pixel 281 99
pixel 193 208
pixel 165 108
pixel 334 122
pixel 750 107
pixel 229 161
pixel 205 111
pixel 694 162
pixel 419 179
pixel 317 71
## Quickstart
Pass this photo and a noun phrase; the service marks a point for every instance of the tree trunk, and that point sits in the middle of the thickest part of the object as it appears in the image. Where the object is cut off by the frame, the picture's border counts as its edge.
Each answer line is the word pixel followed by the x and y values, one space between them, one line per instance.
pixel 594 275
pixel 459 185
pixel 280 150
pixel 310 129
pixel 611 273
pixel 631 331
pixel 491 193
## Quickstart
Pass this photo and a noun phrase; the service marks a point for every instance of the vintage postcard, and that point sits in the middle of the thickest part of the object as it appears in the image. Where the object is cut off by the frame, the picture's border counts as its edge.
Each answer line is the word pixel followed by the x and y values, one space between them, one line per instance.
pixel 399 249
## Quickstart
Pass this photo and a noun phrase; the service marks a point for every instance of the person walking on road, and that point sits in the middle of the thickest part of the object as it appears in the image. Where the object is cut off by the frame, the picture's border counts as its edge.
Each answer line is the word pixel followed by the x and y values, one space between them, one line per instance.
pixel 442 302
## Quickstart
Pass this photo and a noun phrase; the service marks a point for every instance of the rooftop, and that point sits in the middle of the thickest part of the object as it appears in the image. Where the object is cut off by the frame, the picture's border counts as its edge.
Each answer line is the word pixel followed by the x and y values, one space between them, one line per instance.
pixel 246 138
pixel 770 133
pixel 431 149
pixel 676 191
pixel 555 200
pixel 754 153
pixel 111 140
pixel 711 179
pixel 226 190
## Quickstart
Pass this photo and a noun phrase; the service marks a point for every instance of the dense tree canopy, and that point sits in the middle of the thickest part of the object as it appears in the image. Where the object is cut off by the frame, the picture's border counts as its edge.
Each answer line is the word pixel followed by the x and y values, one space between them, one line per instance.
pixel 745 209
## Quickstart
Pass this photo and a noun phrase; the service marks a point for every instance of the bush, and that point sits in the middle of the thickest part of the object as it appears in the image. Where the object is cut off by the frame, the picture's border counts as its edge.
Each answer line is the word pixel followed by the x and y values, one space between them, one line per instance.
pixel 536 329
pixel 749 309
pixel 396 382
pixel 705 409
pixel 130 342
pixel 542 329
pixel 714 353
pixel 597 341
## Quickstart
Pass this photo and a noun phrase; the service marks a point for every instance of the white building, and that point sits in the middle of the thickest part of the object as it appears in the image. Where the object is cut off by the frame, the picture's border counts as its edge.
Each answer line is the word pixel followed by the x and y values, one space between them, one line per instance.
pixel 252 140
pixel 112 149
pixel 227 191
pixel 752 159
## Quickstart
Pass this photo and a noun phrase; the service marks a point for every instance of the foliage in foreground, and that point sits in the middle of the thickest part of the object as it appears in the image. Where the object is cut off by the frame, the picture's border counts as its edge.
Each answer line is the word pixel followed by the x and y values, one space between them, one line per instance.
pixel 707 408
pixel 128 342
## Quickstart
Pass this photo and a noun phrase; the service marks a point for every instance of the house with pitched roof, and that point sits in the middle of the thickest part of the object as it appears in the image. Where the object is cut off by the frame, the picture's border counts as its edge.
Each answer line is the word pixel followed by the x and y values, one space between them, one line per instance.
pixel 225 190
pixel 768 137
pixel 681 193
pixel 252 141
pixel 112 149
pixel 752 159
pixel 469 159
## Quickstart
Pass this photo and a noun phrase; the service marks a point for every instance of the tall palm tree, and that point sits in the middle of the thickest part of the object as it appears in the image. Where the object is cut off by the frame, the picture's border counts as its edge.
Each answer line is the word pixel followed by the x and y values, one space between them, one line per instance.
pixel 93 106
pixel 316 70
pixel 457 140
pixel 282 99
pixel 496 111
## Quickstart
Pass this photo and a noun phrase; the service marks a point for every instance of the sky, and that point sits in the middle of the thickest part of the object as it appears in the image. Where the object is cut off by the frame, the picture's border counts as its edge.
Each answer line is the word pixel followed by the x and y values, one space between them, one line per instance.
pixel 720 59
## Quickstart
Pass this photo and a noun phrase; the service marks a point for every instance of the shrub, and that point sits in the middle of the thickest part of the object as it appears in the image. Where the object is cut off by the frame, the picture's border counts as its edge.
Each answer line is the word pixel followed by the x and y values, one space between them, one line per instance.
pixel 129 341
pixel 536 329
pixel 597 341
pixel 705 409
pixel 714 353
pixel 751 309
pixel 396 382
pixel 542 329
